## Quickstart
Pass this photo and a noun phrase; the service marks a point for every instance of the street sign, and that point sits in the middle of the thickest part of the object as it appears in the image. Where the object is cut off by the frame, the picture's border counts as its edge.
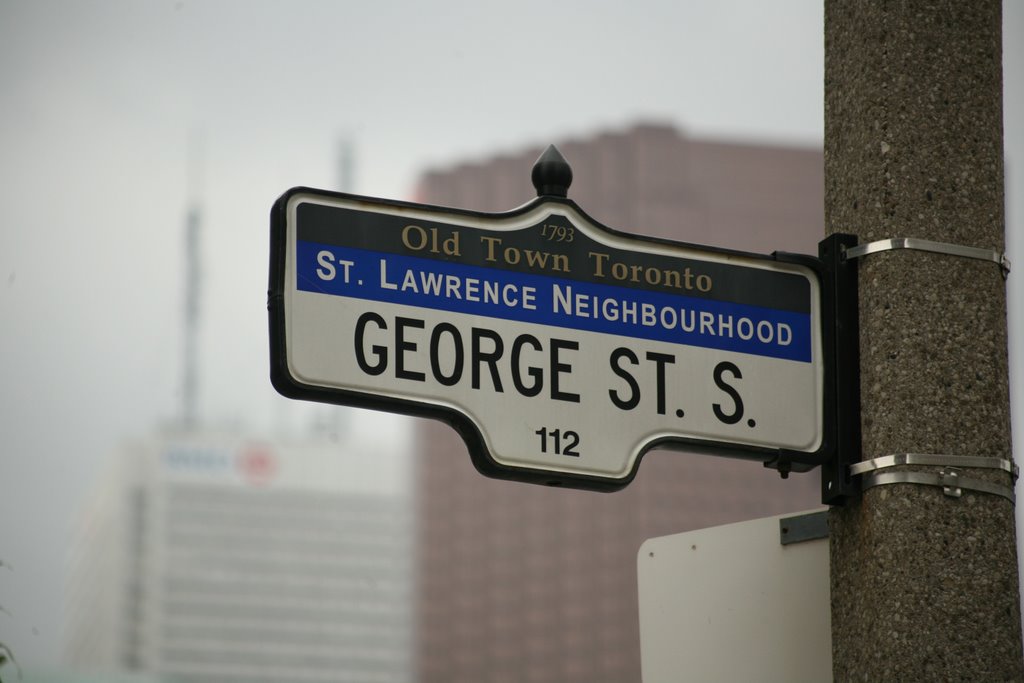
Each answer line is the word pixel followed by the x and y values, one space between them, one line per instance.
pixel 559 349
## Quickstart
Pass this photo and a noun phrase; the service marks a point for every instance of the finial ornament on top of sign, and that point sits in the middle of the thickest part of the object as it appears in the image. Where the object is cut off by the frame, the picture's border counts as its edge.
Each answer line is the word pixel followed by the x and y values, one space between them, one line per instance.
pixel 551 174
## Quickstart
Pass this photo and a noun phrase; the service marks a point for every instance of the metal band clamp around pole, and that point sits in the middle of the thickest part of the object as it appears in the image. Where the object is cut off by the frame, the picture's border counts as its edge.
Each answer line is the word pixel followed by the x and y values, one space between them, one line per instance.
pixel 887 461
pixel 929 245
pixel 948 478
pixel 953 485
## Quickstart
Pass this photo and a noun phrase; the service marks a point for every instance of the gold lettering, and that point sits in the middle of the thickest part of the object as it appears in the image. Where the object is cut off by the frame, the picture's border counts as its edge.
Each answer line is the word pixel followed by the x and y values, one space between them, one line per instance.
pixel 490 242
pixel 599 261
pixel 602 266
pixel 417 239
pixel 513 256
pixel 420 234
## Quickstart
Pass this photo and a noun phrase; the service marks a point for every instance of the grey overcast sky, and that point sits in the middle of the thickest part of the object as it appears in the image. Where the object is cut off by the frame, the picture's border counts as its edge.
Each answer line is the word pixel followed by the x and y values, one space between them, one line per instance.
pixel 100 98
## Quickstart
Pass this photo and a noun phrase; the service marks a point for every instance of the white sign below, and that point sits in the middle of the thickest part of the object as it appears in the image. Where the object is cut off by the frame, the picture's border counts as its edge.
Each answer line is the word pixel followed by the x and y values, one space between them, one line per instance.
pixel 731 603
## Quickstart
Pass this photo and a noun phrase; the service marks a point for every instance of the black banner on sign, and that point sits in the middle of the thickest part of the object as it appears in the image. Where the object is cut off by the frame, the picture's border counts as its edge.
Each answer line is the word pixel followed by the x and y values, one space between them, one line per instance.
pixel 551 246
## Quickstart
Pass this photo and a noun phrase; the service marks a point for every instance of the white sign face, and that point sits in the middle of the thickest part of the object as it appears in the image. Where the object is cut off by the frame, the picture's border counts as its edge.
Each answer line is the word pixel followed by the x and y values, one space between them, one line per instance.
pixel 561 350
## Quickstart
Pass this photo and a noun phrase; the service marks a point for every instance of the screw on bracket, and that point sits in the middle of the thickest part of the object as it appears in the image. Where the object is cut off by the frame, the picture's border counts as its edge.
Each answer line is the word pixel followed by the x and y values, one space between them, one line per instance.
pixel 552 174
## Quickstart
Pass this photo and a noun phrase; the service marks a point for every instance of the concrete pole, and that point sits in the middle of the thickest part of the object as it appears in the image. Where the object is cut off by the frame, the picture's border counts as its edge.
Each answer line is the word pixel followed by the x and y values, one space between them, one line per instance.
pixel 924 585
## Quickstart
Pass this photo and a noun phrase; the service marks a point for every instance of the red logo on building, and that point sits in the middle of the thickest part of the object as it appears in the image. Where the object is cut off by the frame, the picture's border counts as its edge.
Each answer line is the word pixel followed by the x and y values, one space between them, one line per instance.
pixel 257 465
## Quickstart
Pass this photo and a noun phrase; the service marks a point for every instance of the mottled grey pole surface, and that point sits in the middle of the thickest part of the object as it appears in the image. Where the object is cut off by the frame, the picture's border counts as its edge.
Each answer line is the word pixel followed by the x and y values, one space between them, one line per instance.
pixel 924 586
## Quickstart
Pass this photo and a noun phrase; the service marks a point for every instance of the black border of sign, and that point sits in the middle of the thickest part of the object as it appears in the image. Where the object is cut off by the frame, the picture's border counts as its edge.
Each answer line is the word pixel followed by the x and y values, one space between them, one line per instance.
pixel 783 460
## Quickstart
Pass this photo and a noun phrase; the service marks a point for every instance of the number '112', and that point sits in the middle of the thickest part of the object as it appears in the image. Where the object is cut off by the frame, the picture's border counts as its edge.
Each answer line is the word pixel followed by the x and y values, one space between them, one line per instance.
pixel 563 443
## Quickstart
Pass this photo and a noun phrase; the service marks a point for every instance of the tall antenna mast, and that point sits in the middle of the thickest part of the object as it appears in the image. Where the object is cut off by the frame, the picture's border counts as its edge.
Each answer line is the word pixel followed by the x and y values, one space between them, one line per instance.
pixel 193 224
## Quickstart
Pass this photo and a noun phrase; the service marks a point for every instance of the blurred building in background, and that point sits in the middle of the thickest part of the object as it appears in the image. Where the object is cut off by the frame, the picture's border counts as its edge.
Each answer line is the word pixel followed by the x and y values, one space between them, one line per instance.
pixel 518 582
pixel 210 557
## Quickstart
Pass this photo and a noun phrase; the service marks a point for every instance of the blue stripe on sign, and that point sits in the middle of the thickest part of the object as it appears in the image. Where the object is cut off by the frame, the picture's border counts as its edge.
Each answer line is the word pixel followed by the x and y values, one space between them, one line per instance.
pixel 547 300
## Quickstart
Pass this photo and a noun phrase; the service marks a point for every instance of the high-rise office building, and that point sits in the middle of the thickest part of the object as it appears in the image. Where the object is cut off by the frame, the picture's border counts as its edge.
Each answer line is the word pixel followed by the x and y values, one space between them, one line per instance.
pixel 210 557
pixel 518 582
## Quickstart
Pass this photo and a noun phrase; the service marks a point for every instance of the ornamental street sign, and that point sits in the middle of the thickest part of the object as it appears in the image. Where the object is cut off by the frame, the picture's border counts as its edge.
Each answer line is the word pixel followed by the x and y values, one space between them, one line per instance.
pixel 559 349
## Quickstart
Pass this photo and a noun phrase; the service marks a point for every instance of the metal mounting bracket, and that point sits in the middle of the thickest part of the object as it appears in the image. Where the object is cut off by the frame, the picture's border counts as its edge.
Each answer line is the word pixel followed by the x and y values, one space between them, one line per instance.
pixel 953 485
pixel 886 461
pixel 929 245
pixel 808 527
pixel 840 297
pixel 949 477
